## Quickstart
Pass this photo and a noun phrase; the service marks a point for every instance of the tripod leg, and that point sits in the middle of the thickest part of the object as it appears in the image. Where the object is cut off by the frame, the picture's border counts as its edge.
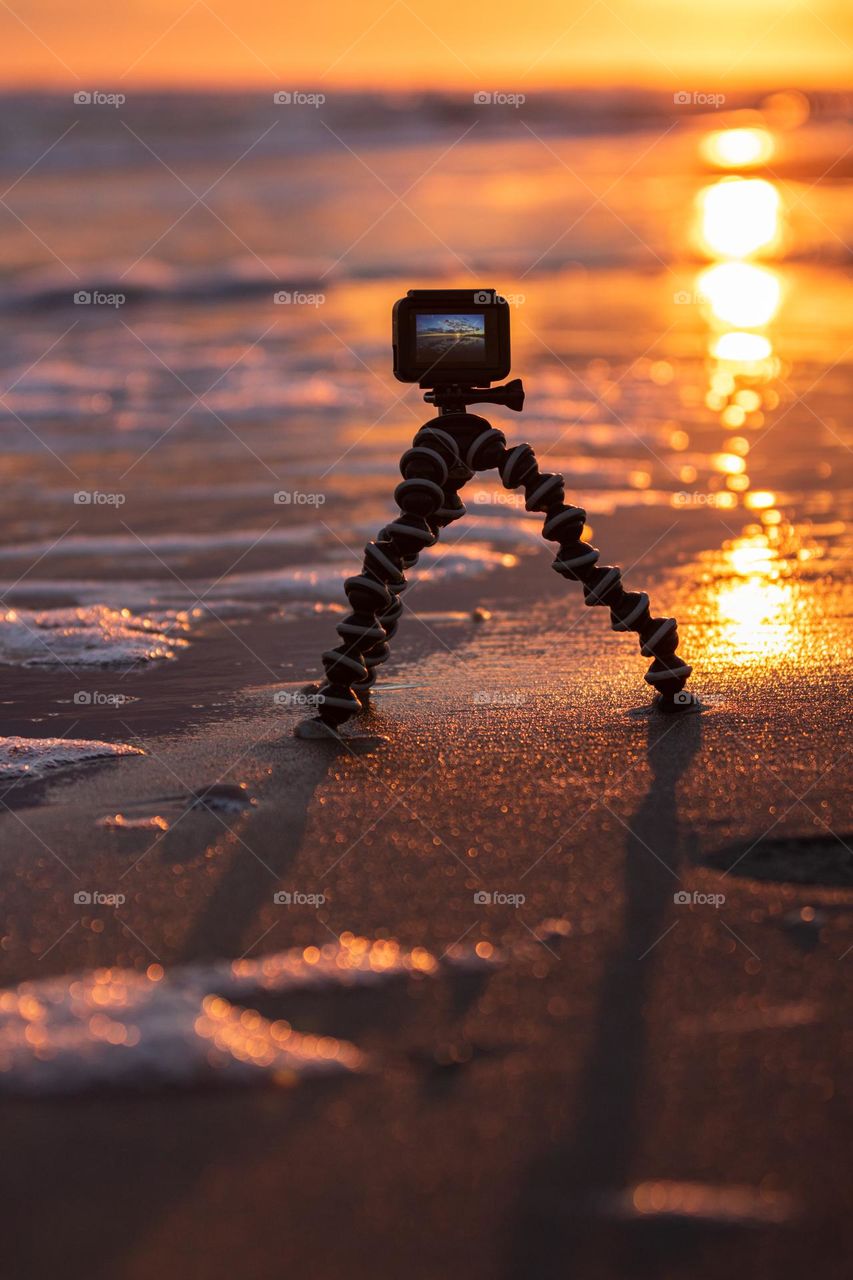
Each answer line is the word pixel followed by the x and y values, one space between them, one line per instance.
pixel 434 470
pixel 602 585
pixel 428 500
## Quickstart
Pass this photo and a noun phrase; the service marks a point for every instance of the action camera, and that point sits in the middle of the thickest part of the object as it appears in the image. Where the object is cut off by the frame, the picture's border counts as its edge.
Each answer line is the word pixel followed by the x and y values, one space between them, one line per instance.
pixel 451 337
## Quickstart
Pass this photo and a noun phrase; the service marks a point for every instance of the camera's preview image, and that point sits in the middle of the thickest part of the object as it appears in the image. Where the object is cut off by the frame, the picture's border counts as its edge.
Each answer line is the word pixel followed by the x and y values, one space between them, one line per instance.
pixel 452 339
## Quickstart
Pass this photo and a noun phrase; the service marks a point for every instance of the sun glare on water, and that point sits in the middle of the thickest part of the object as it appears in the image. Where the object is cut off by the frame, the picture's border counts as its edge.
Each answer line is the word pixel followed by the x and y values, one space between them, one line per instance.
pixel 742 348
pixel 738 148
pixel 739 225
pixel 741 293
pixel 739 216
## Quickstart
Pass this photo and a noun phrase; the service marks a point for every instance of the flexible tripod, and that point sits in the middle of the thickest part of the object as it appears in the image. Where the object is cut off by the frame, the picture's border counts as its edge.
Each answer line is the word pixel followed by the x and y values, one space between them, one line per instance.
pixel 445 454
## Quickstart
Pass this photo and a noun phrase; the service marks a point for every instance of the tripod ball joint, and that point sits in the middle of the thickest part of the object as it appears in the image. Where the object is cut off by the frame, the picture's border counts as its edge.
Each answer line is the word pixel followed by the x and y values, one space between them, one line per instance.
pixel 445 453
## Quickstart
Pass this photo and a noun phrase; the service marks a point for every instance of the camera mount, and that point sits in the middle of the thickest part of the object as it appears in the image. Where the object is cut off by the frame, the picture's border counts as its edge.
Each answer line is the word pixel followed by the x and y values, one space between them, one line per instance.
pixel 446 452
pixel 455 399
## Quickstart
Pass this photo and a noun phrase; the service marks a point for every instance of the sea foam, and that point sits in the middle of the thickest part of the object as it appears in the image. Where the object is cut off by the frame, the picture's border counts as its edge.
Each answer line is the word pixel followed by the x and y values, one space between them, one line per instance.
pixel 110 1029
pixel 36 757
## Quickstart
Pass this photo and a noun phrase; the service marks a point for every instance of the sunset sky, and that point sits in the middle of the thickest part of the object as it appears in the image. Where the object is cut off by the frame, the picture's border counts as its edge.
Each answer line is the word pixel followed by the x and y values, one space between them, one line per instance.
pixel 702 45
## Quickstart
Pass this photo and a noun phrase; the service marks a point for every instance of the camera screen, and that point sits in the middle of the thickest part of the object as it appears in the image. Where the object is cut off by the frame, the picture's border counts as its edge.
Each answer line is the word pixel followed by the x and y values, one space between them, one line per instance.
pixel 456 339
pixel 443 337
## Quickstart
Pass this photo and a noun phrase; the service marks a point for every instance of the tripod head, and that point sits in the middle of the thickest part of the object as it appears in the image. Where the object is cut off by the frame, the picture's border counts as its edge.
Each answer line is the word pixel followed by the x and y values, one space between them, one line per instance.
pixel 455 399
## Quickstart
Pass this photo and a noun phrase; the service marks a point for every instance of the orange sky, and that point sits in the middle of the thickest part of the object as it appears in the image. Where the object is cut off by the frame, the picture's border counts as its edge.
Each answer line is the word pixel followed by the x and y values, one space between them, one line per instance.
pixel 703 45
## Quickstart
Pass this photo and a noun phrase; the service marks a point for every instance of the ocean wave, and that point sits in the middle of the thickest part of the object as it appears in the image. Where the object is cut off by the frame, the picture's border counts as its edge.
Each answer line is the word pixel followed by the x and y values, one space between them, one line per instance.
pixel 496 529
pixel 151 620
pixel 241 276
pixel 96 635
pixel 128 547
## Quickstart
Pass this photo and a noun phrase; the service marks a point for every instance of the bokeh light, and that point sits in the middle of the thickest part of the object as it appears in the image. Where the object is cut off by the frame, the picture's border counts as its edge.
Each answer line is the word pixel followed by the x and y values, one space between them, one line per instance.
pixel 741 293
pixel 739 217
pixel 738 148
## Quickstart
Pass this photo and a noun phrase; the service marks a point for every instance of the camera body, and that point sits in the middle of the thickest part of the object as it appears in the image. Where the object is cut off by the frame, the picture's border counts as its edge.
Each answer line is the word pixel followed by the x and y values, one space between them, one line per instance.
pixel 451 337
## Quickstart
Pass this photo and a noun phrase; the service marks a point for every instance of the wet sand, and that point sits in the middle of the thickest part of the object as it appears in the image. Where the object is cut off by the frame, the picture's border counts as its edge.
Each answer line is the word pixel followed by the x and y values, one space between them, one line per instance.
pixel 508 1118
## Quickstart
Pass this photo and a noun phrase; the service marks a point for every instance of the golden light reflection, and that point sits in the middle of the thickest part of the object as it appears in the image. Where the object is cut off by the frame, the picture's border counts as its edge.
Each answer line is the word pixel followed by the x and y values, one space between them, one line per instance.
pixel 760 499
pixel 733 416
pixel 738 148
pixel 741 293
pixel 754 601
pixel 752 554
pixel 743 348
pixel 756 616
pixel 730 464
pixel 739 217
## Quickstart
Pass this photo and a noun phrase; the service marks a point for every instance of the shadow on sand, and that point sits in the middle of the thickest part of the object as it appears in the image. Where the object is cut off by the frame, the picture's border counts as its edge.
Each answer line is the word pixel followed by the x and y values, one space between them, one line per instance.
pixel 556 1230
pixel 246 889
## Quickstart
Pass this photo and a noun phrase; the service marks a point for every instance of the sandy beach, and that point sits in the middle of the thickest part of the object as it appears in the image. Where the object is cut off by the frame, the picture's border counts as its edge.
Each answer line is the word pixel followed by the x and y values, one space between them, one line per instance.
pixel 615 1042
pixel 520 978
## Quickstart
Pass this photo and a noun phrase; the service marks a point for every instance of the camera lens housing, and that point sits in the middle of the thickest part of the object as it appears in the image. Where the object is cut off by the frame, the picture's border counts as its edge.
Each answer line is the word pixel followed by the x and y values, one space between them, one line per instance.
pixel 451 337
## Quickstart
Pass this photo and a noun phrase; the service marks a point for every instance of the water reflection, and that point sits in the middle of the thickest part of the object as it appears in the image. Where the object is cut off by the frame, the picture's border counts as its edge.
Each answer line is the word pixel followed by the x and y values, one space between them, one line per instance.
pixel 746 354
pixel 740 219
pixel 741 293
pixel 742 148
pixel 756 612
